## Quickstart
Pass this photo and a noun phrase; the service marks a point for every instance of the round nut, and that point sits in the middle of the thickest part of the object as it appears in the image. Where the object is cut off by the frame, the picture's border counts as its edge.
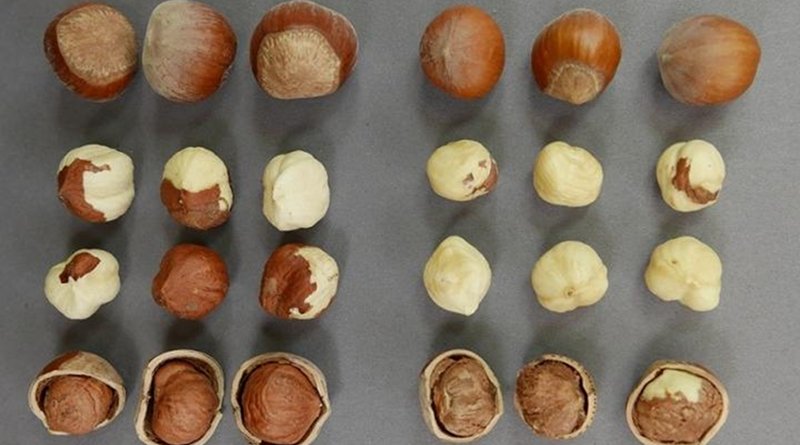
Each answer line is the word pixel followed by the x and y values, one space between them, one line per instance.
pixel 690 175
pixel 569 276
pixel 677 402
pixel 192 281
pixel 95 183
pixel 299 282
pixel 556 397
pixel 460 396
pixel 280 398
pixel 92 49
pixel 302 50
pixel 462 52
pixel 78 286
pixel 296 192
pixel 457 276
pixel 181 399
pixel 685 270
pixel 195 188
pixel 567 176
pixel 462 171
pixel 76 393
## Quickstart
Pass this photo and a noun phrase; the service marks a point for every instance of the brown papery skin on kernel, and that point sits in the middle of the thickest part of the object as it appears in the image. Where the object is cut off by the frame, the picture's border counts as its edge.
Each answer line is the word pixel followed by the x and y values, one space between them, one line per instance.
pixel 286 282
pixel 681 182
pixel 184 403
pixel 80 265
pixel 191 282
pixel 464 399
pixel 71 191
pixel 552 398
pixel 280 404
pixel 196 210
pixel 75 405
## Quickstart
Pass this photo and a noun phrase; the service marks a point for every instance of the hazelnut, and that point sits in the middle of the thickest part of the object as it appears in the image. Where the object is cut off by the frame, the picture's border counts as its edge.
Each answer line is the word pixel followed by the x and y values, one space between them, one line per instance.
pixel 686 270
pixel 462 52
pixel 569 276
pixel 677 402
pixel 296 192
pixel 196 190
pixel 576 56
pixel 188 50
pixel 181 399
pixel 191 281
pixel 462 171
pixel 460 396
pixel 299 282
pixel 76 393
pixel 95 183
pixel 302 50
pixel 708 60
pixel 556 397
pixel 690 175
pixel 567 176
pixel 280 399
pixel 457 276
pixel 92 49
pixel 78 286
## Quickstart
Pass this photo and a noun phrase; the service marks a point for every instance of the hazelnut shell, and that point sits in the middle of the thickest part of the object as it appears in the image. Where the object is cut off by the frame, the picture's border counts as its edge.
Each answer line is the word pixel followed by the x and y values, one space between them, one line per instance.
pixel 587 383
pixel 426 402
pixel 200 360
pixel 311 371
pixel 77 363
pixel 691 368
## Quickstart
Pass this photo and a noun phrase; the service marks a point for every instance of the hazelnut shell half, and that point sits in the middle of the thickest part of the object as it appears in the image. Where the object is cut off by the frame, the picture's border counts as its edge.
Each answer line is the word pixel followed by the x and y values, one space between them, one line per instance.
pixel 77 363
pixel 310 370
pixel 200 360
pixel 691 368
pixel 426 402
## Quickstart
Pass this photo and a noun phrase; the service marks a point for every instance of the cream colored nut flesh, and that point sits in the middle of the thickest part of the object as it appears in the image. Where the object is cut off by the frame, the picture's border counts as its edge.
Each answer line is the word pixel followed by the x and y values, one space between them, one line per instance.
pixel 324 276
pixel 569 276
pixel 462 171
pixel 296 192
pixel 690 175
pixel 457 276
pixel 78 286
pixel 197 169
pixel 567 176
pixel 685 270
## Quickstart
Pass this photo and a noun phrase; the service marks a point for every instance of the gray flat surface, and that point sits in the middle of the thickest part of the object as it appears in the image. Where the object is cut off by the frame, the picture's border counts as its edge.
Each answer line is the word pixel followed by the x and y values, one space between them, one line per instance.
pixel 375 136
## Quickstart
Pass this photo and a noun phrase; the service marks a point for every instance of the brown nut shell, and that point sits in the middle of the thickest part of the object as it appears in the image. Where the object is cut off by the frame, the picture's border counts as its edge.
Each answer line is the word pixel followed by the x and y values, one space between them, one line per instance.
pixel 549 417
pixel 308 369
pixel 651 374
pixel 92 49
pixel 82 365
pixel 202 363
pixel 191 282
pixel 480 376
pixel 302 50
pixel 576 56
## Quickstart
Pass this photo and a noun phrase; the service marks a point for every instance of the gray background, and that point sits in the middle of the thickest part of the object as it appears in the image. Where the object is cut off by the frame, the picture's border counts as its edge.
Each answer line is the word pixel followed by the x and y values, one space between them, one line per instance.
pixel 374 136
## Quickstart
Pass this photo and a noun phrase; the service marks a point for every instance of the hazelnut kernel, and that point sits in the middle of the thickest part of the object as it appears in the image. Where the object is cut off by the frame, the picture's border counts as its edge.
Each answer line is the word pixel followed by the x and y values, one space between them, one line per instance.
pixel 184 403
pixel 568 276
pixel 462 171
pixel 457 276
pixel 296 192
pixel 567 176
pixel 78 286
pixel 690 175
pixel 192 281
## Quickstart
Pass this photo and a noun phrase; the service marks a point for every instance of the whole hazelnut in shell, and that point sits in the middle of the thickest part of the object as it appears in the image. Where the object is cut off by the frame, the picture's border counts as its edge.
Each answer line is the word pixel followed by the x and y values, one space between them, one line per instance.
pixel 76 393
pixel 191 282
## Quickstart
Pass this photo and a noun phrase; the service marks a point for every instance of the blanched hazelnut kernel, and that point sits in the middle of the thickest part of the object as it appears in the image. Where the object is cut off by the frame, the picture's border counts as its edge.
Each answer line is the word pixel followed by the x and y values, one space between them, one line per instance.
pixel 462 171
pixel 569 276
pixel 192 281
pixel 88 279
pixel 75 405
pixel 457 276
pixel 690 175
pixel 685 270
pixel 184 403
pixel 567 176
pixel 296 192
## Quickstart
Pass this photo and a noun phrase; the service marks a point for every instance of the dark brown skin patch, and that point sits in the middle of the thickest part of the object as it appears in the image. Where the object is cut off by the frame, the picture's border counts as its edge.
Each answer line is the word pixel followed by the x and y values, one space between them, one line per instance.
pixel 681 182
pixel 191 282
pixel 80 265
pixel 286 282
pixel 464 399
pixel 71 192
pixel 552 398
pixel 76 404
pixel 194 210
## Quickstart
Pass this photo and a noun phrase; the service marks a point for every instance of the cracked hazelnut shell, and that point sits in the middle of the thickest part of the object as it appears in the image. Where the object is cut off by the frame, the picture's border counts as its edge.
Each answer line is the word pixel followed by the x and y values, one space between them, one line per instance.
pixel 188 50
pixel 280 398
pixel 462 171
pixel 556 397
pixel 301 49
pixel 690 175
pixel 192 281
pixel 462 52
pixel 92 49
pixel 76 393
pixel 181 399
pixel 78 286
pixel 299 282
pixel 677 402
pixel 460 396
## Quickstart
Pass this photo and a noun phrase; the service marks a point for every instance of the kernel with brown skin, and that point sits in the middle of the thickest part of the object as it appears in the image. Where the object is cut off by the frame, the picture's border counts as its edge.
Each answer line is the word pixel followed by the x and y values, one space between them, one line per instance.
pixel 682 183
pixel 71 191
pixel 75 405
pixel 551 397
pixel 191 282
pixel 196 210
pixel 464 399
pixel 286 282
pixel 184 403
pixel 80 265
